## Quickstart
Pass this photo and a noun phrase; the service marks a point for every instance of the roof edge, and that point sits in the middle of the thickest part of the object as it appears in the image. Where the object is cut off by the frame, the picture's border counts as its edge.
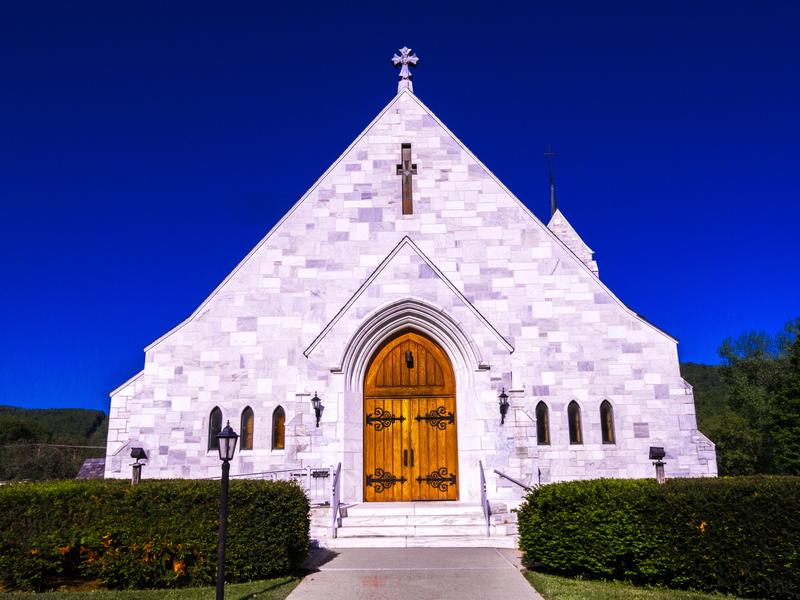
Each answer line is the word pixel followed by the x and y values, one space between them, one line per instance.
pixel 544 227
pixel 341 156
pixel 113 392
pixel 280 222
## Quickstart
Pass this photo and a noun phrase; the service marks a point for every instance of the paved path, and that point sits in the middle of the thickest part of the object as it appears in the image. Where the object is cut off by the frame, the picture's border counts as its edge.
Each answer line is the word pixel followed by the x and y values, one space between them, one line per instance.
pixel 414 573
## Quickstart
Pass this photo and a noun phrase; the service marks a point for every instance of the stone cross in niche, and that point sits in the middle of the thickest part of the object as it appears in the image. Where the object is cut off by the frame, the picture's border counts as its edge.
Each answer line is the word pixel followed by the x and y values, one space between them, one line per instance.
pixel 406 169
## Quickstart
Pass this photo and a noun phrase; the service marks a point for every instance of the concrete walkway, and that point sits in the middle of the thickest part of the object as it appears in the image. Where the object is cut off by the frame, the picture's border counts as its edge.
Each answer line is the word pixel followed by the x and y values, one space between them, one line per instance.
pixel 414 573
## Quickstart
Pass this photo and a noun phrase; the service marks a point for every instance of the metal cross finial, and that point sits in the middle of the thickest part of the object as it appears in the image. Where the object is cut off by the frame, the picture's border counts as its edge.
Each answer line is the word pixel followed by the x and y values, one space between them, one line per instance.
pixel 406 58
pixel 550 154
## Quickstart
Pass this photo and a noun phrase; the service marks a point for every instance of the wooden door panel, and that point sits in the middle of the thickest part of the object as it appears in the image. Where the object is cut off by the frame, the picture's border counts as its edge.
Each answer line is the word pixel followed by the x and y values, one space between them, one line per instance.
pixel 410 441
pixel 437 467
pixel 383 441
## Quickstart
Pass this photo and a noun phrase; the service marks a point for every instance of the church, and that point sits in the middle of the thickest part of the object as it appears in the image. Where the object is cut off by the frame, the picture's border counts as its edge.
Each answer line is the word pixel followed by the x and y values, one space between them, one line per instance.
pixel 411 320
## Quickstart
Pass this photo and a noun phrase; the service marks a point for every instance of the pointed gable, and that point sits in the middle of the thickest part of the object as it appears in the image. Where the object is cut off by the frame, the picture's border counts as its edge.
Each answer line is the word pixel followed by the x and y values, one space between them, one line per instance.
pixel 566 233
pixel 463 215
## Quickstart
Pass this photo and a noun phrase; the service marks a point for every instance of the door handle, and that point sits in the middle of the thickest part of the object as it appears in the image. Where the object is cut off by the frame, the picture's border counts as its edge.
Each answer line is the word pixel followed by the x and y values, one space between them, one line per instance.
pixel 405 458
pixel 412 458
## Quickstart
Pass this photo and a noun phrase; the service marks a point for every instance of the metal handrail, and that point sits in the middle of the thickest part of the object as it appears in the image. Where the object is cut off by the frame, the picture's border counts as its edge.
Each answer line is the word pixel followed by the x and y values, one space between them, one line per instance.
pixel 487 511
pixel 336 491
pixel 512 480
pixel 270 474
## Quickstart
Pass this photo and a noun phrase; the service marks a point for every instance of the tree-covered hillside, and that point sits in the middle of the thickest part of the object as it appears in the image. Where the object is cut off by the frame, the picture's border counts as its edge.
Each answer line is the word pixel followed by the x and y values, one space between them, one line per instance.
pixel 749 405
pixel 48 443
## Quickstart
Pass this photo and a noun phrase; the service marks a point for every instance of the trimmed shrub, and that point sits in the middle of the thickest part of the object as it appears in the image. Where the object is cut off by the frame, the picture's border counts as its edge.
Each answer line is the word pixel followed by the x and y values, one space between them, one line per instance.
pixel 737 535
pixel 157 534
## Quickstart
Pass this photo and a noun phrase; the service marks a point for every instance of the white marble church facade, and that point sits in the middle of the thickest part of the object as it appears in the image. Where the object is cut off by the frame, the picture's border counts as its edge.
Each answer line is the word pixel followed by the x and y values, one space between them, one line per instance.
pixel 514 303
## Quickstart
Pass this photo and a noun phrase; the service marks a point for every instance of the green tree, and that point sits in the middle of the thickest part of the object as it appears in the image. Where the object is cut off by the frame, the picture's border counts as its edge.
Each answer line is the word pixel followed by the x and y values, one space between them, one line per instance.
pixel 759 431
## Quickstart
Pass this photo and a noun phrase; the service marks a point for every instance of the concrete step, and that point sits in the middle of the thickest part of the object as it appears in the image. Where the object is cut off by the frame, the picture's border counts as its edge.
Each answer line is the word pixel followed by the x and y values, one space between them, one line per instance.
pixel 396 520
pixel 374 509
pixel 412 524
pixel 403 520
pixel 421 542
pixel 347 530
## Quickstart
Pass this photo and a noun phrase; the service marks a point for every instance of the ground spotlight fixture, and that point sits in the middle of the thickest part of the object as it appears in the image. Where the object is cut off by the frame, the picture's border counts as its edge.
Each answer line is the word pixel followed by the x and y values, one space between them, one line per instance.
pixel 318 408
pixel 227 448
pixel 503 399
pixel 136 467
pixel 656 455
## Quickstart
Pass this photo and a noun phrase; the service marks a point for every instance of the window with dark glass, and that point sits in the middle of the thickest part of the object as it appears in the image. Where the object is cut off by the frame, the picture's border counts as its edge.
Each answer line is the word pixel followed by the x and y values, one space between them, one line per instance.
pixel 607 422
pixel 214 427
pixel 278 428
pixel 542 424
pixel 574 416
pixel 246 440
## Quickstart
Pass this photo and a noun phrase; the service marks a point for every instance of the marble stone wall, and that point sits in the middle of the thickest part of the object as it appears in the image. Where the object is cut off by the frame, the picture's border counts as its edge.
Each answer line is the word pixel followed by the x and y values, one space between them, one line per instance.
pixel 508 301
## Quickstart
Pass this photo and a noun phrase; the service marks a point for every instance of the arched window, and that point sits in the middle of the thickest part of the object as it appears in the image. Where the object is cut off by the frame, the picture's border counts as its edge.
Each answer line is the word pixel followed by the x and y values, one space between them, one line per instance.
pixel 607 422
pixel 278 428
pixel 246 442
pixel 214 427
pixel 574 415
pixel 542 424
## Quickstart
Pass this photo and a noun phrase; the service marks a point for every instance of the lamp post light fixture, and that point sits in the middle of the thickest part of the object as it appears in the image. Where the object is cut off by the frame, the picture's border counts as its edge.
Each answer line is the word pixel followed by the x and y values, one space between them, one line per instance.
pixel 227 448
pixel 656 454
pixel 318 408
pixel 136 468
pixel 503 397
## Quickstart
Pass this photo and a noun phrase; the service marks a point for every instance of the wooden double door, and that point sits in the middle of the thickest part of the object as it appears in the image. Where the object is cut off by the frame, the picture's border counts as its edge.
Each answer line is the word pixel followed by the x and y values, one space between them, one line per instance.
pixel 410 442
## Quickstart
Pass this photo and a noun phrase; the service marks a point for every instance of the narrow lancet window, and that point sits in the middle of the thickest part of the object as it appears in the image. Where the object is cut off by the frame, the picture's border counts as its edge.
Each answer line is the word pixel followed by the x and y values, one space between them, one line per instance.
pixel 607 422
pixel 406 169
pixel 246 441
pixel 574 416
pixel 278 429
pixel 214 427
pixel 542 424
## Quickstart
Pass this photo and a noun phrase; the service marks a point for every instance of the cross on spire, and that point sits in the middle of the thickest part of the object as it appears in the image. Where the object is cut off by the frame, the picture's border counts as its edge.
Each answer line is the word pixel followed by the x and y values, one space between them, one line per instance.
pixel 406 169
pixel 553 204
pixel 406 58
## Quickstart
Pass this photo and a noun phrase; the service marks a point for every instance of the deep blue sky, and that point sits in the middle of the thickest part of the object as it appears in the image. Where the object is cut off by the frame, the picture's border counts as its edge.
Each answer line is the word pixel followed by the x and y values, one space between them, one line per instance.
pixel 145 150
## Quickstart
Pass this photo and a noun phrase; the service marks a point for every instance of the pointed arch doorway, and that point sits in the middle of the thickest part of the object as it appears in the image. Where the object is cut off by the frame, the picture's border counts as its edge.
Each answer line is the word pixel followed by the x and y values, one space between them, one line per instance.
pixel 410 441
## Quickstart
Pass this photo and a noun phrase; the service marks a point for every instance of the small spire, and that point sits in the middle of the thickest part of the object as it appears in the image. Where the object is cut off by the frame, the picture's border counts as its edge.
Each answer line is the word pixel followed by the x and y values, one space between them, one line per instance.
pixel 553 204
pixel 406 58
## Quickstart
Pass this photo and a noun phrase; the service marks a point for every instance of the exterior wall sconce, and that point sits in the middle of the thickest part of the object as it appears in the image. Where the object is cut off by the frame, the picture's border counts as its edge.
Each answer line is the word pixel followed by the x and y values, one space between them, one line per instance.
pixel 227 448
pixel 409 359
pixel 136 468
pixel 656 454
pixel 503 398
pixel 318 408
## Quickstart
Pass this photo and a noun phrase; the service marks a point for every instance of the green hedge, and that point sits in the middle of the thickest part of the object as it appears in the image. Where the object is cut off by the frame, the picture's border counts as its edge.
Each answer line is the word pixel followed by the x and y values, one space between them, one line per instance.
pixel 737 535
pixel 157 534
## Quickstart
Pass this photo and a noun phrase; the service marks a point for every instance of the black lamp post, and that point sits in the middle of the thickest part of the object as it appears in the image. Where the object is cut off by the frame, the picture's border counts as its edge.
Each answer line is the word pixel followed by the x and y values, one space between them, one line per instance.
pixel 318 408
pixel 503 397
pixel 227 448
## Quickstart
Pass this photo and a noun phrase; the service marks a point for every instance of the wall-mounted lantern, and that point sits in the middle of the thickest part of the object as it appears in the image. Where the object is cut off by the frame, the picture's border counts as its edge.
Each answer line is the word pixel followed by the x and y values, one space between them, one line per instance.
pixel 318 408
pixel 503 399
pixel 409 359
pixel 136 468
pixel 656 455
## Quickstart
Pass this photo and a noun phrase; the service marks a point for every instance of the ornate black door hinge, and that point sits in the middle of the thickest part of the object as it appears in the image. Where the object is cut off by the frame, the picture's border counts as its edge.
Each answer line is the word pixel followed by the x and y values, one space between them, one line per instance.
pixel 438 418
pixel 382 419
pixel 439 480
pixel 383 480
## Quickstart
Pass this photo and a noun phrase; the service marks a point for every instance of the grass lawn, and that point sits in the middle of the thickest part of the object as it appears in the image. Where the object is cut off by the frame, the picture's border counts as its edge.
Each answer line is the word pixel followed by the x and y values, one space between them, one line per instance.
pixel 268 589
pixel 564 588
